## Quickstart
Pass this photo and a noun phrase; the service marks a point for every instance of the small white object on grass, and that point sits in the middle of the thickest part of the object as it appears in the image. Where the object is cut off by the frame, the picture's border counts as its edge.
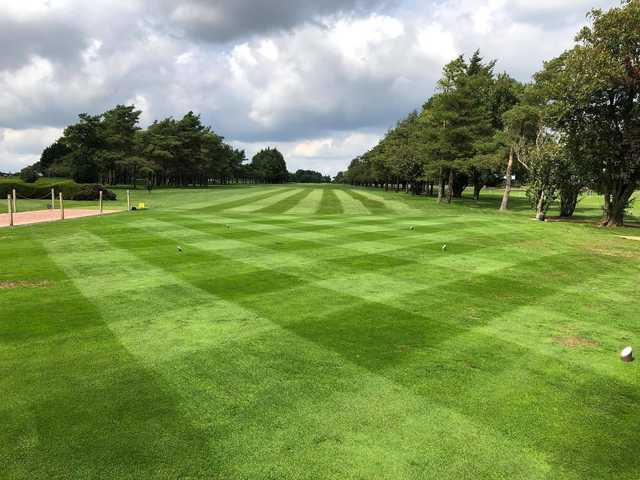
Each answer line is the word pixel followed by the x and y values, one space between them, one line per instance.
pixel 444 247
pixel 627 355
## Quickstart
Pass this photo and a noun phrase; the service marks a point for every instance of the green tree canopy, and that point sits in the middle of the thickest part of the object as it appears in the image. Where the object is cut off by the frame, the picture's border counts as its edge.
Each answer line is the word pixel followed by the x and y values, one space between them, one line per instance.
pixel 593 93
pixel 269 165
pixel 112 148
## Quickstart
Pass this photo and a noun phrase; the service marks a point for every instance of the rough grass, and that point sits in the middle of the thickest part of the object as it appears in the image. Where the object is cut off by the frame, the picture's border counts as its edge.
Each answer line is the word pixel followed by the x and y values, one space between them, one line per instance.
pixel 308 332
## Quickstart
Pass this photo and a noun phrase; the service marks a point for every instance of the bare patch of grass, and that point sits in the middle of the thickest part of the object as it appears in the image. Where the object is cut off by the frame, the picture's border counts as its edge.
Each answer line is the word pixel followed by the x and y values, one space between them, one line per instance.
pixel 13 284
pixel 574 341
pixel 612 252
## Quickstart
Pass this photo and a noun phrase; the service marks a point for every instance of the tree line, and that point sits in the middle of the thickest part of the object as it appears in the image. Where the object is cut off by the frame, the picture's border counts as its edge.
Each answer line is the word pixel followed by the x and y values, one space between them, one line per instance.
pixel 112 149
pixel 309 176
pixel 575 126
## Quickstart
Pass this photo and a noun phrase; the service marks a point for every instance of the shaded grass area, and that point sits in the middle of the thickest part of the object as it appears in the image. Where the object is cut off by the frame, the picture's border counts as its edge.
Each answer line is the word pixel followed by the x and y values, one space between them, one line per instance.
pixel 589 205
pixel 71 389
pixel 339 344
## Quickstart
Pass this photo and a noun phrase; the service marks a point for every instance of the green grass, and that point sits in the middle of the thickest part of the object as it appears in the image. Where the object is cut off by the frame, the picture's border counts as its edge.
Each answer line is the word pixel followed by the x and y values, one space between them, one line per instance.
pixel 307 332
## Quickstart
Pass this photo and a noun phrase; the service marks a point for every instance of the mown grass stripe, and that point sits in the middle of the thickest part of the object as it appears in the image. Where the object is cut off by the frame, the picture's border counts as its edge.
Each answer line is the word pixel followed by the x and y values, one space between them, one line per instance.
pixel 309 205
pixel 286 203
pixel 252 207
pixel 330 203
pixel 373 206
pixel 397 202
pixel 217 196
pixel 218 207
pixel 350 205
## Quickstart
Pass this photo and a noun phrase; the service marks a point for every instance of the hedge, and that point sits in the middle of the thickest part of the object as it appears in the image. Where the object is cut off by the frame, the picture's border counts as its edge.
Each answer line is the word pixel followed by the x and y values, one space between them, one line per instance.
pixel 42 189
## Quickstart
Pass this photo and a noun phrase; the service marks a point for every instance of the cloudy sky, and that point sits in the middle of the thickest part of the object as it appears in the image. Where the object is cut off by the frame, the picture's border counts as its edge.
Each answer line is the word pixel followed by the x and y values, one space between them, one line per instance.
pixel 320 79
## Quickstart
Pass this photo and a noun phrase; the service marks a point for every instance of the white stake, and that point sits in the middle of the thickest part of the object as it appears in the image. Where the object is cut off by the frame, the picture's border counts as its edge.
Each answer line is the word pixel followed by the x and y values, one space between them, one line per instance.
pixel 53 199
pixel 61 207
pixel 100 202
pixel 10 207
pixel 128 201
pixel 14 201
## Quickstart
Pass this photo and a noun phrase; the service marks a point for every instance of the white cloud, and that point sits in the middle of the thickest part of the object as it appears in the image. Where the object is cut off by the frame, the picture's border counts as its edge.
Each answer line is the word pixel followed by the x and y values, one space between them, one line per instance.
pixel 19 148
pixel 437 43
pixel 356 40
pixel 326 155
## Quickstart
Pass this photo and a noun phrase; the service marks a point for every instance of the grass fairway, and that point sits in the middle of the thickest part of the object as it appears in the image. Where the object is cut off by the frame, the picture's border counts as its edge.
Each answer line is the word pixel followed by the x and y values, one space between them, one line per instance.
pixel 308 332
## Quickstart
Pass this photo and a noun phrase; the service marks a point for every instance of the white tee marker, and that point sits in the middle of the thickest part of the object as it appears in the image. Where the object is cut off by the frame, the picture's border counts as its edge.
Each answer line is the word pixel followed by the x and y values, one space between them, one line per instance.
pixel 627 355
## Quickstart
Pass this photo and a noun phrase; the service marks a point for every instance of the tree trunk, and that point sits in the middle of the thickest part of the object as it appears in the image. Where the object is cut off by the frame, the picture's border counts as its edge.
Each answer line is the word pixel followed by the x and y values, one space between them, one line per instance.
pixel 477 187
pixel 450 190
pixel 541 209
pixel 441 186
pixel 568 201
pixel 507 186
pixel 615 204
pixel 476 191
pixel 460 183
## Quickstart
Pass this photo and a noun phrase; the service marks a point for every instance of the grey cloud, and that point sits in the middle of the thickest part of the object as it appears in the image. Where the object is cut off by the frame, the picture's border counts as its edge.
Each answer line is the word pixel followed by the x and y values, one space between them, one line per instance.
pixel 55 40
pixel 225 20
pixel 555 15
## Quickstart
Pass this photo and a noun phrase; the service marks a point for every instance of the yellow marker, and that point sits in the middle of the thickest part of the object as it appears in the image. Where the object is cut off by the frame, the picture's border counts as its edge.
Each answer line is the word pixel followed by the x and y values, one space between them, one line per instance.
pixel 141 206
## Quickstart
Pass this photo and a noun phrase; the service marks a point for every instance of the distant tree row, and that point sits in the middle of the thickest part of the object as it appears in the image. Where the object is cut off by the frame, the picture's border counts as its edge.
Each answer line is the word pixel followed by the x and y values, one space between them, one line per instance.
pixel 576 126
pixel 309 176
pixel 112 149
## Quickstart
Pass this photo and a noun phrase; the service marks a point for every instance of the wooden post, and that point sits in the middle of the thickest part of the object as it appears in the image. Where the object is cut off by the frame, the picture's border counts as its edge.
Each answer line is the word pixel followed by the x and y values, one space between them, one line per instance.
pixel 128 201
pixel 61 207
pixel 10 207
pixel 53 200
pixel 14 201
pixel 100 202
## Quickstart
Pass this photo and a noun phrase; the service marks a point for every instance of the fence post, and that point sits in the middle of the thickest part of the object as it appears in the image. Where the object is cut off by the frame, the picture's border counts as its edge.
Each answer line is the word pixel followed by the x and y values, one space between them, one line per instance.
pixel 14 201
pixel 100 202
pixel 53 200
pixel 128 201
pixel 61 207
pixel 10 209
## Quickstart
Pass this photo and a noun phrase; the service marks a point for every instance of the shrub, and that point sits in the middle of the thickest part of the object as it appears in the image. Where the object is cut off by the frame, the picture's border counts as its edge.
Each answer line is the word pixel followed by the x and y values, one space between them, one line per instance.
pixel 92 192
pixel 28 175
